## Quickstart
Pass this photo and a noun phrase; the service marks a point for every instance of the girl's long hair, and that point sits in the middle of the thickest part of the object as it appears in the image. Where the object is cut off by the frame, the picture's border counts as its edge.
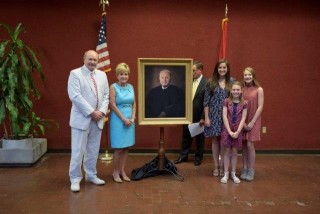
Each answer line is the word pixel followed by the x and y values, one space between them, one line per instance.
pixel 213 81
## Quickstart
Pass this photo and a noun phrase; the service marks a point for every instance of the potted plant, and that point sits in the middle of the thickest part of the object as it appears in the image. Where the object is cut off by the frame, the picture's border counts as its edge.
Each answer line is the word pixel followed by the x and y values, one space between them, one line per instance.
pixel 18 65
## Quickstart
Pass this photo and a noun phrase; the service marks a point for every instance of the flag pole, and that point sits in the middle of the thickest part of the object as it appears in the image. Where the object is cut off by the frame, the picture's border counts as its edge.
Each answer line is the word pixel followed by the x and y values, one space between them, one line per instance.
pixel 226 12
pixel 104 3
pixel 223 44
pixel 106 156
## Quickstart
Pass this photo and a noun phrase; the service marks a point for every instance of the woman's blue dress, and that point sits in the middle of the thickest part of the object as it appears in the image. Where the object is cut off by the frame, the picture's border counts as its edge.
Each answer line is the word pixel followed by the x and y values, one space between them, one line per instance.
pixel 122 136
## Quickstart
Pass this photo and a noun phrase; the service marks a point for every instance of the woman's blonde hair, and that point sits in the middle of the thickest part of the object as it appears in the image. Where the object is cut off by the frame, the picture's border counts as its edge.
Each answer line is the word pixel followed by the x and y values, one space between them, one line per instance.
pixel 122 68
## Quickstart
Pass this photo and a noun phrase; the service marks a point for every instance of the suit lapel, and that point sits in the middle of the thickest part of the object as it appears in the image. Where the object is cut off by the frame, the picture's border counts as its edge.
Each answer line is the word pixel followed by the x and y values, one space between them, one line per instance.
pixel 201 83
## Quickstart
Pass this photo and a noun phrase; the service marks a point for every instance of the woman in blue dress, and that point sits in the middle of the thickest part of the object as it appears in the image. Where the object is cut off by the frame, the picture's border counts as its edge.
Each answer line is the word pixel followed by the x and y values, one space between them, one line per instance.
pixel 122 116
pixel 216 91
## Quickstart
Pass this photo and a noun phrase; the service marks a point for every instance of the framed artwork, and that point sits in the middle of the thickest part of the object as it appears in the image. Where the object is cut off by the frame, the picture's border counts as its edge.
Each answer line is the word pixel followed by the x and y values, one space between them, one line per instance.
pixel 165 88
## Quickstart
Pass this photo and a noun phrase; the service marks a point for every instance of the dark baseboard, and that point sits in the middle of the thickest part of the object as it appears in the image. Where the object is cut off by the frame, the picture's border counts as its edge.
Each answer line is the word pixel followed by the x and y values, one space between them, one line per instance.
pixel 289 152
pixel 176 151
pixel 16 165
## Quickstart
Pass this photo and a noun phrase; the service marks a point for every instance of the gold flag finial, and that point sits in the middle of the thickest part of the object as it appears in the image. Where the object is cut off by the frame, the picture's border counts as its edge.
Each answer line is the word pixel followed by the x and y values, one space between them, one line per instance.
pixel 104 3
pixel 226 12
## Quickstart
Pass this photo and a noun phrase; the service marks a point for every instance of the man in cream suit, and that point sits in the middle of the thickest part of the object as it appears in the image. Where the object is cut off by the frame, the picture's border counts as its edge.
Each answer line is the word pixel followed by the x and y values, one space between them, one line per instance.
pixel 88 91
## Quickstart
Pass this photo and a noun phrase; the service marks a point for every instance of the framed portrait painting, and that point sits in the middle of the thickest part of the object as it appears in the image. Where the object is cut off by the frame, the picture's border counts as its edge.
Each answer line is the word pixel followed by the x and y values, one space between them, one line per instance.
pixel 165 88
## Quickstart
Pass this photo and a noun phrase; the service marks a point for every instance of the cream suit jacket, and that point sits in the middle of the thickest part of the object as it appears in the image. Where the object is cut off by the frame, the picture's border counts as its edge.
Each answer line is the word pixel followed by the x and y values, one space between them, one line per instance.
pixel 83 97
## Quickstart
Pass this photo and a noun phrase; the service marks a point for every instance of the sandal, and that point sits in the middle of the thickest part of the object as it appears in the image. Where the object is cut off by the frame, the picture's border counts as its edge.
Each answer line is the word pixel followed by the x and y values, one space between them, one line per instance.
pixel 215 173
pixel 235 179
pixel 225 178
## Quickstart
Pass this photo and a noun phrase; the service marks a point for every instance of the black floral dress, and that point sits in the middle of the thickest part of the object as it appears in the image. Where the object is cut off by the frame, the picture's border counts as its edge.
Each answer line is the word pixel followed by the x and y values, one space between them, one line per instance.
pixel 215 103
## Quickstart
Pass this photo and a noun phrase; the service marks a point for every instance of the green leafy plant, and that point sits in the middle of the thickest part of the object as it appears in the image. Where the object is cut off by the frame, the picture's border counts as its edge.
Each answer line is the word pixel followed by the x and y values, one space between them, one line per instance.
pixel 18 63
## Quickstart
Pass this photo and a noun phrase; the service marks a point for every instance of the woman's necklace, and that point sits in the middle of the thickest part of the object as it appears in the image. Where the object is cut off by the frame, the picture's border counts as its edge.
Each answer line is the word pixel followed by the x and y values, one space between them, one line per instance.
pixel 222 83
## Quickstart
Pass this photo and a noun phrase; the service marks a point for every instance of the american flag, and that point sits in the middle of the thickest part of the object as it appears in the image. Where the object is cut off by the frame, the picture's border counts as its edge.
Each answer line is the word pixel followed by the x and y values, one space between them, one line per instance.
pixel 102 47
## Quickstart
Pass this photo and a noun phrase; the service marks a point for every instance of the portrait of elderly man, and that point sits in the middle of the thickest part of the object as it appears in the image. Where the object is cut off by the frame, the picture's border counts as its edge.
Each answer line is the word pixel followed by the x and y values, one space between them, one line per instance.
pixel 165 100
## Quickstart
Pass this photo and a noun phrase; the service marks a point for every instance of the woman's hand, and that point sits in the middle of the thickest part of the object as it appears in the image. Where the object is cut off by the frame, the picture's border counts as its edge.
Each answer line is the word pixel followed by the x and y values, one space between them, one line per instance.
pixel 128 122
pixel 249 126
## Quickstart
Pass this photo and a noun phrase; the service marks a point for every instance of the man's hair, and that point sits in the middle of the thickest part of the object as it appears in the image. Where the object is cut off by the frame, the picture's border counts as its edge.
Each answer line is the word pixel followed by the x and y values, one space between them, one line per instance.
pixel 198 65
pixel 165 70
pixel 86 53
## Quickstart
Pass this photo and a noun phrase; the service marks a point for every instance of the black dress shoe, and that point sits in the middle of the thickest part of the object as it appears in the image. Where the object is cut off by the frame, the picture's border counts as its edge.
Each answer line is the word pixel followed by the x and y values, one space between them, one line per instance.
pixel 180 160
pixel 197 163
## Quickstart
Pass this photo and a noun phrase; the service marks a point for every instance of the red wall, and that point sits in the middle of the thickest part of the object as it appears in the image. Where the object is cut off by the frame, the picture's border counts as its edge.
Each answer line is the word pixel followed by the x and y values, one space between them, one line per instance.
pixel 280 39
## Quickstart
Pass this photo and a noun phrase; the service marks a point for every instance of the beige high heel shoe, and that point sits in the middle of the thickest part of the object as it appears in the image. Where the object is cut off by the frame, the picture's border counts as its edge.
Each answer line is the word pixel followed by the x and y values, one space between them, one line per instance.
pixel 125 178
pixel 117 179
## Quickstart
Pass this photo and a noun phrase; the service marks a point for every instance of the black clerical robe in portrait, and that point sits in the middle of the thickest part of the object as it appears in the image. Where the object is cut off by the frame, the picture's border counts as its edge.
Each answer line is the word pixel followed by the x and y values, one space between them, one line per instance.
pixel 171 101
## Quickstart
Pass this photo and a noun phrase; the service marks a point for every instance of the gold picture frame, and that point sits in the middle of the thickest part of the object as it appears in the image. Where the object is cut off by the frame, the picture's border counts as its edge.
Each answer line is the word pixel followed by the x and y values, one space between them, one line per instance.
pixel 178 109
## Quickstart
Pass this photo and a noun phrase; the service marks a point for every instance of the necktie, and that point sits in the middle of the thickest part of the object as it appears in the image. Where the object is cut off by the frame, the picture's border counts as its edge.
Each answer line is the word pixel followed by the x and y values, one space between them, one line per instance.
pixel 95 88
